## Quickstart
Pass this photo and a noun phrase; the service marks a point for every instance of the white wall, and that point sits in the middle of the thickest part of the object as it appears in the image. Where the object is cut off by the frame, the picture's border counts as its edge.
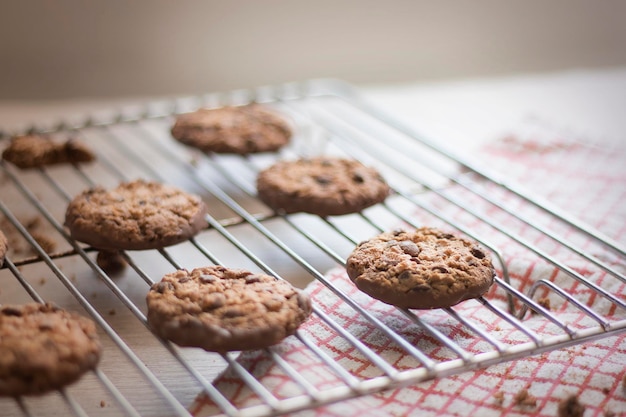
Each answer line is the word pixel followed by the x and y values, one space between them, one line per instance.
pixel 57 49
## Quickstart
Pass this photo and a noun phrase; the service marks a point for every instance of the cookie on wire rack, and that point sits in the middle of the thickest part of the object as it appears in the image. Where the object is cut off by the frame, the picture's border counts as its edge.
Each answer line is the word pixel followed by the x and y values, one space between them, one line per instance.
pixel 135 215
pixel 422 269
pixel 221 309
pixel 239 130
pixel 33 151
pixel 323 185
pixel 43 348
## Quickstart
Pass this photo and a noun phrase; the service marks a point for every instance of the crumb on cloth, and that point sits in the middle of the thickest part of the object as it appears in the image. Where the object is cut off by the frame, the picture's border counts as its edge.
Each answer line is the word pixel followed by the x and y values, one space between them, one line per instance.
pixel 523 398
pixel 571 407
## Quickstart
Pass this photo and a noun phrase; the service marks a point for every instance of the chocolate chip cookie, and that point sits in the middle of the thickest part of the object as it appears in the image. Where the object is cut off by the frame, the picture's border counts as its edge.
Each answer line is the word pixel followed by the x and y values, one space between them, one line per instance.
pixel 43 347
pixel 324 186
pixel 3 247
pixel 134 216
pixel 240 130
pixel 34 151
pixel 423 268
pixel 220 309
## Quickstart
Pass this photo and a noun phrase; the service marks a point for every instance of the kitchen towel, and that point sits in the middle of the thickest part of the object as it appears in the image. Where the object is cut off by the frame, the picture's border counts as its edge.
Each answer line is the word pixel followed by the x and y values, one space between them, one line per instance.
pixel 586 179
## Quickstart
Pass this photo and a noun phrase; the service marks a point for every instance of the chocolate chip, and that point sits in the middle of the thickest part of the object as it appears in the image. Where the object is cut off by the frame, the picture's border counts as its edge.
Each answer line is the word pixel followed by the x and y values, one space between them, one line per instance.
pixel 233 312
pixel 358 178
pixel 213 301
pixel 163 286
pixel 322 180
pixel 273 304
pixel 404 275
pixel 410 248
pixel 183 280
pixel 420 288
pixel 11 311
pixel 207 279
pixel 251 279
pixel 45 325
pixel 477 253
pixel 440 269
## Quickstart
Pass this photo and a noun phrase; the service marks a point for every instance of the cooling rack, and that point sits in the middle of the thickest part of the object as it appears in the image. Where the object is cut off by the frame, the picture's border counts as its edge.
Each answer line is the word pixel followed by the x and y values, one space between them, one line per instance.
pixel 141 375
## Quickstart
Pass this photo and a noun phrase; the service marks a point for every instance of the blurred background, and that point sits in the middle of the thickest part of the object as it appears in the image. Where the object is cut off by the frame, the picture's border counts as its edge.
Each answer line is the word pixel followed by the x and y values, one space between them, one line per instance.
pixel 68 49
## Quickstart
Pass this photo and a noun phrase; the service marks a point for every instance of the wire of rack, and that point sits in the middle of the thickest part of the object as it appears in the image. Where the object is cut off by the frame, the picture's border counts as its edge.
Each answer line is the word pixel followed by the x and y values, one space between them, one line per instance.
pixel 148 376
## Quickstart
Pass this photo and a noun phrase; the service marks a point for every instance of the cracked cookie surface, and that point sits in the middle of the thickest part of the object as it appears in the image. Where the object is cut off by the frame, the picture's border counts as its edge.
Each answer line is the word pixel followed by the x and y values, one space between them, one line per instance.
pixel 135 215
pixel 221 309
pixel 323 185
pixel 422 269
pixel 43 348
pixel 240 130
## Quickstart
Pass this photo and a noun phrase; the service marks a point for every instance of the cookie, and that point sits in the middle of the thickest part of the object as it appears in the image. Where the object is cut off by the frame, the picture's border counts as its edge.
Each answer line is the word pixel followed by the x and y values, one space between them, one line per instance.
pixel 239 130
pixel 34 151
pixel 134 216
pixel 324 186
pixel 220 309
pixel 43 347
pixel 422 269
pixel 4 245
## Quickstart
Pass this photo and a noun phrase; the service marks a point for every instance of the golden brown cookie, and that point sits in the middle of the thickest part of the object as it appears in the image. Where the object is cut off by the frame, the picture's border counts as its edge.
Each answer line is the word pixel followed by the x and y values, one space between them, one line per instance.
pixel 423 268
pixel 43 348
pixel 134 216
pixel 239 130
pixel 323 185
pixel 34 151
pixel 220 309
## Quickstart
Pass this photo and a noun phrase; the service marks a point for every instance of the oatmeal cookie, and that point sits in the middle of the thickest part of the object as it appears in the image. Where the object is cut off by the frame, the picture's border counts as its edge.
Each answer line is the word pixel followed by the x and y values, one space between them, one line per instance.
pixel 422 269
pixel 324 186
pixel 220 309
pixel 43 348
pixel 134 216
pixel 239 130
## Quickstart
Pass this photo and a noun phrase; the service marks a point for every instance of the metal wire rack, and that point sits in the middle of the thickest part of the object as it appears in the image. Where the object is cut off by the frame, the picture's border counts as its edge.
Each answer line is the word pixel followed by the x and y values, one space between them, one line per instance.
pixel 141 375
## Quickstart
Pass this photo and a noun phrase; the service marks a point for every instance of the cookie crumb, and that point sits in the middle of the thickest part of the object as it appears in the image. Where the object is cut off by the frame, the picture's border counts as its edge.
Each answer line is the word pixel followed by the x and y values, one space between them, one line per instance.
pixel 609 413
pixel 112 312
pixel 111 262
pixel 35 227
pixel 545 303
pixel 102 403
pixel 499 397
pixel 523 398
pixel 606 390
pixel 570 407
pixel 42 281
pixel 47 244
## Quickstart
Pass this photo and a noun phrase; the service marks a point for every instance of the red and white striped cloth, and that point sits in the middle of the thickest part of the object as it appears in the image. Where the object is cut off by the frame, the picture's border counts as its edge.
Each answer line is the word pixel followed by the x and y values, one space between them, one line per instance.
pixel 588 181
